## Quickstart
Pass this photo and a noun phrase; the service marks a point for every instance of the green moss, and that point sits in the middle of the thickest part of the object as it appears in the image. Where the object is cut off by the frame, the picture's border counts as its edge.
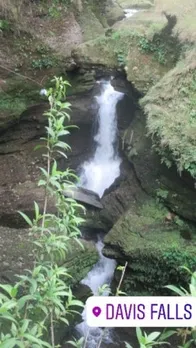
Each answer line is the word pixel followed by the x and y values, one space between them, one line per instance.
pixel 171 116
pixel 153 248
pixel 80 260
pixel 13 106
pixel 19 94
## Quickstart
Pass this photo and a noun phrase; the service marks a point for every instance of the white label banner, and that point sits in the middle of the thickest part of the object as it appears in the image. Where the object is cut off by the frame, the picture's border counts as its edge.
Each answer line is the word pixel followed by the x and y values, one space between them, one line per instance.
pixel 149 311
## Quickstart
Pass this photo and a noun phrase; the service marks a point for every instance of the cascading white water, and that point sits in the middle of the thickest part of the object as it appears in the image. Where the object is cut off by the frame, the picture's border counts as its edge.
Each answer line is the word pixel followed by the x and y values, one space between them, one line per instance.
pixel 97 175
pixel 101 273
pixel 130 12
pixel 100 172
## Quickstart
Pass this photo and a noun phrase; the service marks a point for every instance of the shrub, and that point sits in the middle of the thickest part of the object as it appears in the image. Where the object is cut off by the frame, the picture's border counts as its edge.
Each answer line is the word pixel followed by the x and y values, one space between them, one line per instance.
pixel 30 308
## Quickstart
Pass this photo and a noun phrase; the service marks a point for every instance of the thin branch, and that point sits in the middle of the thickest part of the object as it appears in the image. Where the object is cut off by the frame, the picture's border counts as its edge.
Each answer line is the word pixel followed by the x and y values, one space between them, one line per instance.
pixel 24 77
pixel 52 329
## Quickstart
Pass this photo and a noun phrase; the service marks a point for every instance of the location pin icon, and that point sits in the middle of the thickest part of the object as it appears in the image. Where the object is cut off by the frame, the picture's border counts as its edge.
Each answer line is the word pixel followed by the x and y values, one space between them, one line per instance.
pixel 96 311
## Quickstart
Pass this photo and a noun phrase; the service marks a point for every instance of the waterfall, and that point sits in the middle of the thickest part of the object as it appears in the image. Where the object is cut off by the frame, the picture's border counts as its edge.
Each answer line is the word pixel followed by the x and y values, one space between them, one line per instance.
pixel 100 172
pixel 101 273
pixel 97 175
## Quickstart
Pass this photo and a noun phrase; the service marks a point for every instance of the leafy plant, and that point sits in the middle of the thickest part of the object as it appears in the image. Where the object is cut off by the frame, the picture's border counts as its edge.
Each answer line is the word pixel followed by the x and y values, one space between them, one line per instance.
pixel 43 63
pixel 147 341
pixel 4 25
pixel 157 338
pixel 121 59
pixel 185 333
pixel 163 194
pixel 30 309
pixel 155 47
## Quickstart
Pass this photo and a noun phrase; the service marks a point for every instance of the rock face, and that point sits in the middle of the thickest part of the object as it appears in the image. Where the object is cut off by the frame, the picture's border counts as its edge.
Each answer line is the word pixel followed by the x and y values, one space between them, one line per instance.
pixel 178 193
pixel 153 247
pixel 20 163
pixel 17 255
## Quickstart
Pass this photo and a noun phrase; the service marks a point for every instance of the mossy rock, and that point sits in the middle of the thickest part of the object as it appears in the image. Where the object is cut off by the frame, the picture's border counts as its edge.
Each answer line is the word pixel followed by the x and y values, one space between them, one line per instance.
pixel 171 116
pixel 81 260
pixel 154 249
pixel 16 96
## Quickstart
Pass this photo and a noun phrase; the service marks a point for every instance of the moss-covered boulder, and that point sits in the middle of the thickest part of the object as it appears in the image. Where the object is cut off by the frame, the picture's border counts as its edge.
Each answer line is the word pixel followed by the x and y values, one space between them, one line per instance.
pixel 171 116
pixel 154 248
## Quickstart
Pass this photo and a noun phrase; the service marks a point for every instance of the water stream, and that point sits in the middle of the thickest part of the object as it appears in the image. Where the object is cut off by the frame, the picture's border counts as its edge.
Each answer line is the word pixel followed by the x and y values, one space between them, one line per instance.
pixel 100 172
pixel 97 175
pixel 130 12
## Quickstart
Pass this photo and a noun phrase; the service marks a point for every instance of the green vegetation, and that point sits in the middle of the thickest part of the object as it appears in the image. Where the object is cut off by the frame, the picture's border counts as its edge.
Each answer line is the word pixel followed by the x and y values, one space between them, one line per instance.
pixel 154 249
pixel 31 309
pixel 158 49
pixel 171 116
pixel 162 194
pixel 4 25
pixel 43 63
pixel 13 106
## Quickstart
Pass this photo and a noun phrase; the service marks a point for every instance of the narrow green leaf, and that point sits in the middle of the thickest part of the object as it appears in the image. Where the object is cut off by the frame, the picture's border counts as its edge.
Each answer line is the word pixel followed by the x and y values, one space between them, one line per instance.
pixel 26 218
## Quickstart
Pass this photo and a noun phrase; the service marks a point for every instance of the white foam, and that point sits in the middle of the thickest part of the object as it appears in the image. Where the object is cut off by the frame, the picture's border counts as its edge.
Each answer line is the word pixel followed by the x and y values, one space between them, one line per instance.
pixel 100 172
pixel 130 12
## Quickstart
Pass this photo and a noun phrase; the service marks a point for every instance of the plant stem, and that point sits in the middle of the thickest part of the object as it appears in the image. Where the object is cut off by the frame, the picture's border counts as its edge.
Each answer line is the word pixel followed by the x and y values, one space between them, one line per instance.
pixel 52 330
pixel 46 187
pixel 121 279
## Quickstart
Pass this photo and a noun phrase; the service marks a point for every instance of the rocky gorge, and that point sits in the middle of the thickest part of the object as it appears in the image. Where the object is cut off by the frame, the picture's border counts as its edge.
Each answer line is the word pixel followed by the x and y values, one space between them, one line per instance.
pixel 148 214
